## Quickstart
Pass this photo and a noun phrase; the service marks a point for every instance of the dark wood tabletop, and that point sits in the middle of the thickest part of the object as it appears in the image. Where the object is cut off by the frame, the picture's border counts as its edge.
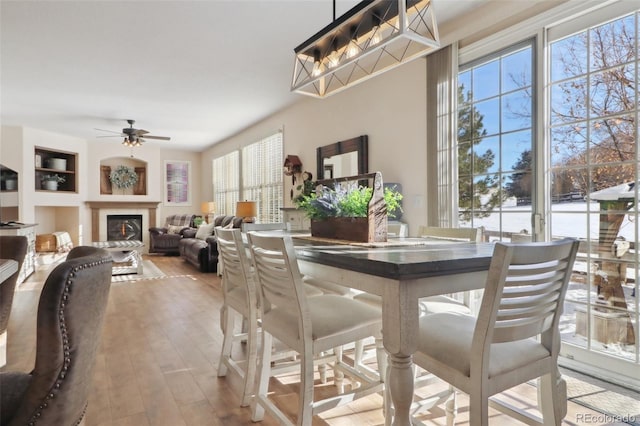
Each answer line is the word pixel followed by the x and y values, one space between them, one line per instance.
pixel 418 259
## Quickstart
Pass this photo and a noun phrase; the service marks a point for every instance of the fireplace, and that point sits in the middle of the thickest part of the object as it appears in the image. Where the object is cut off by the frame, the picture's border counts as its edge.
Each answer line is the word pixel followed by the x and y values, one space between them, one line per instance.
pixel 124 227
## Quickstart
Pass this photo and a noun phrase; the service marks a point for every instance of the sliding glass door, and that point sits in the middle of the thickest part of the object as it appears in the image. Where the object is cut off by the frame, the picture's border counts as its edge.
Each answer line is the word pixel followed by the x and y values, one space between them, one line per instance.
pixel 593 114
pixel 573 167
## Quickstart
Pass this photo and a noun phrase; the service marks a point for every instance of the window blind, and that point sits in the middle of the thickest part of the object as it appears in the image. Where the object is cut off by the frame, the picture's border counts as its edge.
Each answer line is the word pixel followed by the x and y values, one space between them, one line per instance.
pixel 226 182
pixel 262 177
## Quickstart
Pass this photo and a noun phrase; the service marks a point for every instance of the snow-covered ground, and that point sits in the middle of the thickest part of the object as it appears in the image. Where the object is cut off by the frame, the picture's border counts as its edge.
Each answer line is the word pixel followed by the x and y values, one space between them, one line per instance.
pixel 578 220
pixel 567 220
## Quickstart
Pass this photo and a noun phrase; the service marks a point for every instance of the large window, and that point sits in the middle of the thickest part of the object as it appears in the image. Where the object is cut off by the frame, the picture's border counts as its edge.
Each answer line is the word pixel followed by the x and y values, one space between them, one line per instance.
pixel 574 165
pixel 495 142
pixel 593 136
pixel 259 179
pixel 262 177
pixel 226 182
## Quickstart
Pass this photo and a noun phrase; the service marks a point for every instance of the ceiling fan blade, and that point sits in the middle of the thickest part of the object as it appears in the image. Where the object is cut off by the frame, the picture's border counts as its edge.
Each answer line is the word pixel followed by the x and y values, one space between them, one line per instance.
pixel 110 136
pixel 140 132
pixel 162 138
pixel 109 131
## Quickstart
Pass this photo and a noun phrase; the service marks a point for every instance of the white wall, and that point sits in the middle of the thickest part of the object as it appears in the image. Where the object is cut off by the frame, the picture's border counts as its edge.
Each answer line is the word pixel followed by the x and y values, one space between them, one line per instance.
pixel 390 109
pixel 57 211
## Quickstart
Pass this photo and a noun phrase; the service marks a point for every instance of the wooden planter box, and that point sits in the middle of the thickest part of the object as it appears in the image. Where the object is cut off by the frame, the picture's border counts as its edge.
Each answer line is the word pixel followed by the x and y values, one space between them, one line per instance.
pixel 370 229
pixel 343 228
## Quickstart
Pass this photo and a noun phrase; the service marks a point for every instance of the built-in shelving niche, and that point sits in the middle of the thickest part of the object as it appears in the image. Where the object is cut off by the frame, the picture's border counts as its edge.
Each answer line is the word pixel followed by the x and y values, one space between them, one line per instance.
pixel 109 165
pixel 9 205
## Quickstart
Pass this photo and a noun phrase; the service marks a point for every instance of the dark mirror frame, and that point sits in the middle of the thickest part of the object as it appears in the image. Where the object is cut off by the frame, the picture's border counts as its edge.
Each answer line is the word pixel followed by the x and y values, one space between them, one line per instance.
pixel 359 145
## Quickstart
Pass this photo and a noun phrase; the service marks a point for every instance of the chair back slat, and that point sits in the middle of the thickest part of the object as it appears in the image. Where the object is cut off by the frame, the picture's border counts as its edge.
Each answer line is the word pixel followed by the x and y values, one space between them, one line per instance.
pixel 277 275
pixel 525 290
pixel 236 271
pixel 473 235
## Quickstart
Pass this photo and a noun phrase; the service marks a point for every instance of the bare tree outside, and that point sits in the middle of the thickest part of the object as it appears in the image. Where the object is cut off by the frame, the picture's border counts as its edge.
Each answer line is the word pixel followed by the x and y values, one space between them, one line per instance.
pixel 593 137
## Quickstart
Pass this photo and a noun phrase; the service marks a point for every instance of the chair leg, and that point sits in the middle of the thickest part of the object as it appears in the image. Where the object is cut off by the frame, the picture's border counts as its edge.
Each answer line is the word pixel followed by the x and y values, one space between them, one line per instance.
pixel 264 373
pixel 381 358
pixel 338 375
pixel 359 353
pixel 478 408
pixel 252 357
pixel 227 325
pixel 552 398
pixel 322 370
pixel 305 409
pixel 451 407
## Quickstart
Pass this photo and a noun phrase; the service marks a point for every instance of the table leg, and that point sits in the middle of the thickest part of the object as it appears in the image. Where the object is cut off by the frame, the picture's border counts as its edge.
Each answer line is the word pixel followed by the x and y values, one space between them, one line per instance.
pixel 401 387
pixel 138 257
pixel 400 334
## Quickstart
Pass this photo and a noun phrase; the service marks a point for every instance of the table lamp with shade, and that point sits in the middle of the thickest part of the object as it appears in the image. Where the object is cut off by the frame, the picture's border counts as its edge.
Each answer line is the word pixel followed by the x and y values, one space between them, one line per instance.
pixel 248 210
pixel 208 208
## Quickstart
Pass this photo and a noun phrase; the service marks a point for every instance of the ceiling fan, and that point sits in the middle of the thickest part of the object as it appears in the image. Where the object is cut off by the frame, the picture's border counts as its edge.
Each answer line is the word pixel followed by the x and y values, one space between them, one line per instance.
pixel 133 137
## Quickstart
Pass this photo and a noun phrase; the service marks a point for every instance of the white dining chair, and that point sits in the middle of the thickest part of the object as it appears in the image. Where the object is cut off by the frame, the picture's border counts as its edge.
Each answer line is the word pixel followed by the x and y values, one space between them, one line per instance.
pixel 239 297
pixel 473 235
pixel 515 337
pixel 308 325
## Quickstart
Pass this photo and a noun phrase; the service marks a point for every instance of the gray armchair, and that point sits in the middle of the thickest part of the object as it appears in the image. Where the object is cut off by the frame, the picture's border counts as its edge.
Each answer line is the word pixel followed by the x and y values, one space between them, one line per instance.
pixel 166 239
pixel 11 247
pixel 69 325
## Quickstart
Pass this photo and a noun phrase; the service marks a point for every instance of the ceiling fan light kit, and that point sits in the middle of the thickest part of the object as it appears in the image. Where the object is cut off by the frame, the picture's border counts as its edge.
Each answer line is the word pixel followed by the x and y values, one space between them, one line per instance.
pixel 372 37
pixel 134 137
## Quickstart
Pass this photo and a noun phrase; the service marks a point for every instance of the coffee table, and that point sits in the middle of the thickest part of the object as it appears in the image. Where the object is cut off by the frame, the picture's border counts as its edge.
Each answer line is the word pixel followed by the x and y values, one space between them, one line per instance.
pixel 123 251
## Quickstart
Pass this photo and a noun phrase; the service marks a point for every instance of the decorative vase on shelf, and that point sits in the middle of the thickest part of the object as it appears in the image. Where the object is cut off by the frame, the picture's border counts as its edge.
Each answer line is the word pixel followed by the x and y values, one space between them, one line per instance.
pixel 50 182
pixel 50 185
pixel 11 184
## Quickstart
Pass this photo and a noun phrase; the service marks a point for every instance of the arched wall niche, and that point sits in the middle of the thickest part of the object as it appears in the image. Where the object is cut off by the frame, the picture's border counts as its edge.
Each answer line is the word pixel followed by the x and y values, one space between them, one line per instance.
pixel 111 165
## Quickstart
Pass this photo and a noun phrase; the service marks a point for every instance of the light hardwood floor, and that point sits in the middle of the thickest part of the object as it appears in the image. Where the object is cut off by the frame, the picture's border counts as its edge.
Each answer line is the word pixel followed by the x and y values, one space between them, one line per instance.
pixel 159 353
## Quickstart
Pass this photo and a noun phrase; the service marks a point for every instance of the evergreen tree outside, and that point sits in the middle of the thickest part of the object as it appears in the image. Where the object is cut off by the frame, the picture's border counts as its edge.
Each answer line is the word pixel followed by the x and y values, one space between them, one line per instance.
pixel 478 192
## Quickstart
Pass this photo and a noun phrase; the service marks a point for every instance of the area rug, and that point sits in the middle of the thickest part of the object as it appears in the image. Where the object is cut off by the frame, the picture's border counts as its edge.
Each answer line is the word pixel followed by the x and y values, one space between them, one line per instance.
pixel 150 272
pixel 616 403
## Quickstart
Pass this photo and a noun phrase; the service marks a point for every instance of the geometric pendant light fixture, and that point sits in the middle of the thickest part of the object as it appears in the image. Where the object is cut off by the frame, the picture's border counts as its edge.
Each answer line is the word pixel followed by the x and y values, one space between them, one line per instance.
pixel 371 38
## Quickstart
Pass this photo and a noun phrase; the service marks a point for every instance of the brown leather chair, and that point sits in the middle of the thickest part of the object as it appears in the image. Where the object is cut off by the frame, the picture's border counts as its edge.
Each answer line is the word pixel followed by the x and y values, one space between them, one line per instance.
pixel 11 247
pixel 69 325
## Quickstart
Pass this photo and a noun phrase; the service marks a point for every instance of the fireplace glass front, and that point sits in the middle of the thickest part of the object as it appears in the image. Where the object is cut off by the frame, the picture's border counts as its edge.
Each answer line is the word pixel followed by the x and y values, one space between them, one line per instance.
pixel 124 227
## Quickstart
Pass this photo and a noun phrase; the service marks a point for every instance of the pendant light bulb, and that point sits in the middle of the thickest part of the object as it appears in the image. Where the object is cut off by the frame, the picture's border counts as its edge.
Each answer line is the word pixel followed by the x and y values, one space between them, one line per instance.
pixel 376 31
pixel 317 65
pixel 352 48
pixel 334 58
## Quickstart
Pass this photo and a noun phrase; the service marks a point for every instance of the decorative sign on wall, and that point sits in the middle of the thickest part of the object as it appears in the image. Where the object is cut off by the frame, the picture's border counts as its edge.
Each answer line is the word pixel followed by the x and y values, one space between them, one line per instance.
pixel 177 178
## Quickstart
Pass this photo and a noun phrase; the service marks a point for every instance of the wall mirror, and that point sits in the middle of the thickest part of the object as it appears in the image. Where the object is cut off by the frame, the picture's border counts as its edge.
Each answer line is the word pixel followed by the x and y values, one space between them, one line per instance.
pixel 345 158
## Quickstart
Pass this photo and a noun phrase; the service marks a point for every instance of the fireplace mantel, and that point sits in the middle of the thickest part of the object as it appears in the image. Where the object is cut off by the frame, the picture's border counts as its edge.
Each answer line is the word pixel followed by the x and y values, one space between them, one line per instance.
pixel 96 206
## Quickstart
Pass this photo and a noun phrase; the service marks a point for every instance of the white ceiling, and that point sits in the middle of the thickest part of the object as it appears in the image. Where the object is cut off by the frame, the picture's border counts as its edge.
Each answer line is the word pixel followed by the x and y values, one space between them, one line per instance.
pixel 197 71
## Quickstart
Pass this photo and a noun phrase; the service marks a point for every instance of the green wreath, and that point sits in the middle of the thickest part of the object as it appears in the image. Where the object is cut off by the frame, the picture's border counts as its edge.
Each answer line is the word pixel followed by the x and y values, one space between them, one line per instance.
pixel 123 177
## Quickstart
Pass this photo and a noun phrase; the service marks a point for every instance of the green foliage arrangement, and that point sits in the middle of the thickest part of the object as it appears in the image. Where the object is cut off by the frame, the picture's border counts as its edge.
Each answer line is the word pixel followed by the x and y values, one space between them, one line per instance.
pixel 344 201
pixel 123 177
pixel 54 177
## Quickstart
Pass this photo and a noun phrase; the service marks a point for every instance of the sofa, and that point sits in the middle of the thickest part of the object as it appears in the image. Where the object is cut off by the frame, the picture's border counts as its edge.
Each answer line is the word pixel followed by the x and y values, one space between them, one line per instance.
pixel 166 239
pixel 199 246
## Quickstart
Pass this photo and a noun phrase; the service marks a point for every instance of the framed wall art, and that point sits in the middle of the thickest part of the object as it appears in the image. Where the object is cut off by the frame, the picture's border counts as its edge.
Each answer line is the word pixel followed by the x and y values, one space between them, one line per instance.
pixel 177 183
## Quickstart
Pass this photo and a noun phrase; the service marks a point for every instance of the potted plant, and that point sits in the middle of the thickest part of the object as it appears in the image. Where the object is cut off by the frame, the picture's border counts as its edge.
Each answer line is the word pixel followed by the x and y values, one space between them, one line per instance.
pixel 10 181
pixel 50 182
pixel 350 211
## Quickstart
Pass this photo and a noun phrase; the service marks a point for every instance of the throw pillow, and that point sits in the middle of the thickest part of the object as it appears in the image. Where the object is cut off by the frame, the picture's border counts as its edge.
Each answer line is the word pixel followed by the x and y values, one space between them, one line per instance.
pixel 175 229
pixel 229 225
pixel 204 231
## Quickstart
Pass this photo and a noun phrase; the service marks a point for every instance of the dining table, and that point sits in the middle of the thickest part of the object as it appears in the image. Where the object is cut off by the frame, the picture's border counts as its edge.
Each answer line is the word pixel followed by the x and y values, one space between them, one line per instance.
pixel 8 267
pixel 401 271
